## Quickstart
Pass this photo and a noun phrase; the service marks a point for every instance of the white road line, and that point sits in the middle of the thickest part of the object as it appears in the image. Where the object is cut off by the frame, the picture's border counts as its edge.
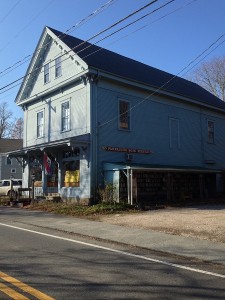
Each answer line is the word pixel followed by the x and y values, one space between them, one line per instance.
pixel 119 252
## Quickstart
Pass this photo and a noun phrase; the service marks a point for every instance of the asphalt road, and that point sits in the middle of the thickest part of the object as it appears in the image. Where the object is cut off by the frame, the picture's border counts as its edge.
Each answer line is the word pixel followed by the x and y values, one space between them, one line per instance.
pixel 38 263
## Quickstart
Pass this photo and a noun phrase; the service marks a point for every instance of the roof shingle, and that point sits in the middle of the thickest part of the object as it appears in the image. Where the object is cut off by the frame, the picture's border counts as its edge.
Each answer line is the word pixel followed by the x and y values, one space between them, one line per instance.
pixel 125 67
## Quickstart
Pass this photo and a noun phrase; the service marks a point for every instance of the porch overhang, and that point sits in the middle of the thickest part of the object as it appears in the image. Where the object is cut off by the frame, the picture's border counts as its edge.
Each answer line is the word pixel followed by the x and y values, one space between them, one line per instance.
pixel 158 168
pixel 81 140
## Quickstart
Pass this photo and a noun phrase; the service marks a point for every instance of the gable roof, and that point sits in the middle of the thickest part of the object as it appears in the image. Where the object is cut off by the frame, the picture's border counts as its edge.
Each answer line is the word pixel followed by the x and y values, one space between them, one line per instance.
pixel 108 61
pixel 119 65
pixel 7 145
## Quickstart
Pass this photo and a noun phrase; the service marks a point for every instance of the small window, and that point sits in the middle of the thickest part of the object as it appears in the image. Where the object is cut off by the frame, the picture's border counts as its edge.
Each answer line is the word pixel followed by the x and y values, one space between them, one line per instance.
pixel 8 161
pixel 211 129
pixel 174 133
pixel 124 115
pixel 40 124
pixel 58 67
pixel 13 171
pixel 46 73
pixel 65 116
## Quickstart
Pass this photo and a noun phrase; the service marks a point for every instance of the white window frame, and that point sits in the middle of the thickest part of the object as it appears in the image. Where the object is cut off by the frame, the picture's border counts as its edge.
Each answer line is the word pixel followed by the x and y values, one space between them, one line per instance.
pixel 58 66
pixel 13 171
pixel 210 131
pixel 47 73
pixel 40 124
pixel 124 117
pixel 65 116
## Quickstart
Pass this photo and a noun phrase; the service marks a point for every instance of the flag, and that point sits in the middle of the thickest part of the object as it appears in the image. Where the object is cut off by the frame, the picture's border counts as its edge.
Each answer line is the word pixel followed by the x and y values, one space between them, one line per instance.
pixel 47 164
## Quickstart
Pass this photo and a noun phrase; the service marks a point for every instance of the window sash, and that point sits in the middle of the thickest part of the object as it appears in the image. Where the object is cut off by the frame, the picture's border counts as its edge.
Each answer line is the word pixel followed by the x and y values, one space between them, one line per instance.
pixel 8 161
pixel 46 73
pixel 40 124
pixel 58 67
pixel 65 116
pixel 124 115
pixel 211 129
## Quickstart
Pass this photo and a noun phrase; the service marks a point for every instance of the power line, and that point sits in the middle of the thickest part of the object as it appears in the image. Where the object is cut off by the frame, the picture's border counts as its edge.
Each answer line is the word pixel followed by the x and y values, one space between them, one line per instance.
pixel 104 30
pixel 78 24
pixel 166 83
pixel 131 23
pixel 36 16
pixel 10 11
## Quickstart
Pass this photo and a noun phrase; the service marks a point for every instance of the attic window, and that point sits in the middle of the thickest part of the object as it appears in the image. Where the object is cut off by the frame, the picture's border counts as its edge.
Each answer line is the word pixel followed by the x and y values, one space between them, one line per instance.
pixel 58 67
pixel 46 73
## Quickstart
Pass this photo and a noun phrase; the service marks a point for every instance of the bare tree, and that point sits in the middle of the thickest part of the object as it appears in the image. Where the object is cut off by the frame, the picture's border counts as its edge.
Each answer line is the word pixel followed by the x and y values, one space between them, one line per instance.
pixel 211 76
pixel 5 120
pixel 17 130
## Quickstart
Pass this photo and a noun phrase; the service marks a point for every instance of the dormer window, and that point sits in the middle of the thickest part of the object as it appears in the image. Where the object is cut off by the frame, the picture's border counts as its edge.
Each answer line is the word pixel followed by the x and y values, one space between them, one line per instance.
pixel 58 67
pixel 46 73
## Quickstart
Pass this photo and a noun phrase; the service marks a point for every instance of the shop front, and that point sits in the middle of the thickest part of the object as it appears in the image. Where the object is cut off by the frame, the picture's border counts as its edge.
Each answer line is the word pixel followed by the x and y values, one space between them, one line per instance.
pixel 152 186
pixel 58 169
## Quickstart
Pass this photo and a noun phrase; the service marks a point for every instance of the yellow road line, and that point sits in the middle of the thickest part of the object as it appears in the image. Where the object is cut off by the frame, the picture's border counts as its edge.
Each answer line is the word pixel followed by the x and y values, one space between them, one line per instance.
pixel 11 293
pixel 26 288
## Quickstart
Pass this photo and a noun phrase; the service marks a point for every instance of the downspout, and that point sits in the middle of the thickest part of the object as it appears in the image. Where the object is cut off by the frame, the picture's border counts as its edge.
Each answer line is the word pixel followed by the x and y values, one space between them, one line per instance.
pixel 131 187
pixel 94 134
pixel 128 186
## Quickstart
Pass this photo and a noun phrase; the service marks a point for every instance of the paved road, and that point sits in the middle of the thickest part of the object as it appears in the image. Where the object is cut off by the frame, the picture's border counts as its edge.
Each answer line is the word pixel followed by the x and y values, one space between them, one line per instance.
pixel 65 266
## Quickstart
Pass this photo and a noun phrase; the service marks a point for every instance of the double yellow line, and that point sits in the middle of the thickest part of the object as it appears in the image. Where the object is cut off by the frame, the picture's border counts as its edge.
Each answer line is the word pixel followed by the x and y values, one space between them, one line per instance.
pixel 22 286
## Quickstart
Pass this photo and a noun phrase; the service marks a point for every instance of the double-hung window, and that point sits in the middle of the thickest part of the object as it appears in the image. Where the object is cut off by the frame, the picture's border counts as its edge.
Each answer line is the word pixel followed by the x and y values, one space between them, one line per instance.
pixel 124 115
pixel 65 116
pixel 8 161
pixel 58 67
pixel 46 73
pixel 40 124
pixel 211 131
pixel 174 133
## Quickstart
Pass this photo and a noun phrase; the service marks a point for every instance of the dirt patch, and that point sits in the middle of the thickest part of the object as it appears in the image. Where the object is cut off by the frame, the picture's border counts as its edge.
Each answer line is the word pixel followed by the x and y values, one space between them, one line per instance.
pixel 204 222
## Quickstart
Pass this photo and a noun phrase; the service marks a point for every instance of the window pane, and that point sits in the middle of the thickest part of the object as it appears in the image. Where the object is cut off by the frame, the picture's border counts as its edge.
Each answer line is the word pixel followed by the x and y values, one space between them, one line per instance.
pixel 124 115
pixel 210 132
pixel 46 73
pixel 8 161
pixel 40 124
pixel 58 68
pixel 65 116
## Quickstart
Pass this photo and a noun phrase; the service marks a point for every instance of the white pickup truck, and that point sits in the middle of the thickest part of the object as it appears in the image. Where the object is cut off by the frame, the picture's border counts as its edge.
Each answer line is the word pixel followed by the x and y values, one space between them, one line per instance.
pixel 5 187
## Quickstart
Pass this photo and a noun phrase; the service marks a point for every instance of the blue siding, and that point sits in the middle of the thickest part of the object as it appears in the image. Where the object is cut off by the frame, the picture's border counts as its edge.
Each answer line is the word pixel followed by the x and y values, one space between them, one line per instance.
pixel 151 129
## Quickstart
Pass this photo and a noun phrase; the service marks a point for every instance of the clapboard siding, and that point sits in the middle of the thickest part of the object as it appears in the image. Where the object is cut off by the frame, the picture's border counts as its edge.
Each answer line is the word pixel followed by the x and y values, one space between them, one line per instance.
pixel 150 129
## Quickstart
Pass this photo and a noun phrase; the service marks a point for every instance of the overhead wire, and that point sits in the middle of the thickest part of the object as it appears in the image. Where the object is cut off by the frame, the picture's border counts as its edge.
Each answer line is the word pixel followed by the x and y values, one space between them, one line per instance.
pixel 166 83
pixel 82 43
pixel 10 11
pixel 169 81
pixel 129 24
pixel 64 34
pixel 161 87
pixel 32 20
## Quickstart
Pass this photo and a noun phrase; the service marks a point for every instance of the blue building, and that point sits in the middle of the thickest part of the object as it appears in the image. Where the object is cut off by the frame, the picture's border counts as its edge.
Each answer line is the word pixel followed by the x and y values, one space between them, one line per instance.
pixel 92 116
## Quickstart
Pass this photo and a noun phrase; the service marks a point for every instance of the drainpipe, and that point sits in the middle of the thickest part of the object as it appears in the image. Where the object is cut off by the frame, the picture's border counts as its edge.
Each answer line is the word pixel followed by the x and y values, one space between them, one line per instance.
pixel 128 186
pixel 131 187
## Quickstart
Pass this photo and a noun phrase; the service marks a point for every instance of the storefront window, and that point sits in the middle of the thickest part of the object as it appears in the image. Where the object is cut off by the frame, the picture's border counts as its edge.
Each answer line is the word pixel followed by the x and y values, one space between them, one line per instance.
pixel 52 178
pixel 71 173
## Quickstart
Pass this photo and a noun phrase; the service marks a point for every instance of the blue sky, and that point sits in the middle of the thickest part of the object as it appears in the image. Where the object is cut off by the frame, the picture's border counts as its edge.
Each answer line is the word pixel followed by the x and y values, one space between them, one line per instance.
pixel 168 39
